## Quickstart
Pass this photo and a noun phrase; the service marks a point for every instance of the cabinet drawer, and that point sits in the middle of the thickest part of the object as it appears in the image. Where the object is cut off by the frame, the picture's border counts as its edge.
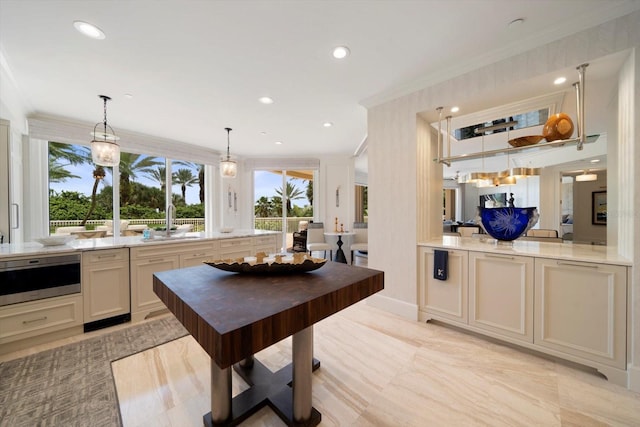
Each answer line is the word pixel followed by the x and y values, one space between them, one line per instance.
pixel 30 319
pixel 264 241
pixel 106 255
pixel 230 245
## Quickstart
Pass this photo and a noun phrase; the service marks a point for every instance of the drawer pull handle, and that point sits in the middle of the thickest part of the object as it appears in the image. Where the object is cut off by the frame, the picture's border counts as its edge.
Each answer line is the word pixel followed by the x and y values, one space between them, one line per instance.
pixel 39 319
pixel 106 256
pixel 156 260
pixel 578 265
pixel 499 256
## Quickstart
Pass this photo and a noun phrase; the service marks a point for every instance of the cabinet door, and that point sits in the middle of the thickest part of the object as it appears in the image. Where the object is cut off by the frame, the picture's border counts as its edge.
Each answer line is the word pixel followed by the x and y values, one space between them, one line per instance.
pixel 581 309
pixel 105 282
pixel 501 294
pixel 143 299
pixel 443 299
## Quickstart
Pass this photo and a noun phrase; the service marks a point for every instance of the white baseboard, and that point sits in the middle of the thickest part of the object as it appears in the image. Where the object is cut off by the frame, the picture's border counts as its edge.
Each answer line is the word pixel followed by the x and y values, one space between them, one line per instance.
pixel 395 306
pixel 634 378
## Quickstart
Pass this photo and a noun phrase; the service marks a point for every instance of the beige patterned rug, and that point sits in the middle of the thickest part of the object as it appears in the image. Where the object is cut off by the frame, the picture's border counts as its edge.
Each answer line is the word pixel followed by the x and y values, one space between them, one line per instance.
pixel 72 385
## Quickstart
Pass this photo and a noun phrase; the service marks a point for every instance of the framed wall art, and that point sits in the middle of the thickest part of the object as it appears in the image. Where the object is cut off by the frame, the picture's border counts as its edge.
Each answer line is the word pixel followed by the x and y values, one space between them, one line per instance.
pixel 599 208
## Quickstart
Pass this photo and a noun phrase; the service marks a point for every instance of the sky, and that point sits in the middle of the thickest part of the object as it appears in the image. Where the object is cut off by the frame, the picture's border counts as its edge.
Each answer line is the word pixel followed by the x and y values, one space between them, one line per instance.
pixel 266 184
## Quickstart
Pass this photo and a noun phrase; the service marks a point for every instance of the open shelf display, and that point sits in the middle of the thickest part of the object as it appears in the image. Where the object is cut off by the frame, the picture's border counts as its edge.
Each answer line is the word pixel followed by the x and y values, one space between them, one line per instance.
pixel 581 139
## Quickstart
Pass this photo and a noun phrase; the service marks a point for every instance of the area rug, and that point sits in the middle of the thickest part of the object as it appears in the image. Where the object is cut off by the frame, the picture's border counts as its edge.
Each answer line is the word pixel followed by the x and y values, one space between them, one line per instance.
pixel 73 385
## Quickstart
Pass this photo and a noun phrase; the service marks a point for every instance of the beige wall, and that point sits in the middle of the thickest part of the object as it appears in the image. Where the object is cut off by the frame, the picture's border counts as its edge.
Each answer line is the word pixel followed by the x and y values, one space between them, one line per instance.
pixel 399 199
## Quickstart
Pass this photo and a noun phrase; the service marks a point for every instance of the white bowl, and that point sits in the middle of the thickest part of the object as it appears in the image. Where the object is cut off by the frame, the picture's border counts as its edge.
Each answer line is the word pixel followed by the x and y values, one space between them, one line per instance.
pixel 62 239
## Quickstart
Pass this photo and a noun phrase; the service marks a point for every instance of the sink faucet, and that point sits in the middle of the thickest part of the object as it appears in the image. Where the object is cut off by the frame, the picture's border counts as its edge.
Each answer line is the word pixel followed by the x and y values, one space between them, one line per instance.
pixel 171 211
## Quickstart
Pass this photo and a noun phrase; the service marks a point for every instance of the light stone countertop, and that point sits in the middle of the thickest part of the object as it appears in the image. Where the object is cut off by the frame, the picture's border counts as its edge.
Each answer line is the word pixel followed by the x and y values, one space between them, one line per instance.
pixel 563 251
pixel 33 248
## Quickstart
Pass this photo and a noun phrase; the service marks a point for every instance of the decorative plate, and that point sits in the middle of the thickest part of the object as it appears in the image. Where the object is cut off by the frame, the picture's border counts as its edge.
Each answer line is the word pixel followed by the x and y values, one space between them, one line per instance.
pixel 62 239
pixel 299 263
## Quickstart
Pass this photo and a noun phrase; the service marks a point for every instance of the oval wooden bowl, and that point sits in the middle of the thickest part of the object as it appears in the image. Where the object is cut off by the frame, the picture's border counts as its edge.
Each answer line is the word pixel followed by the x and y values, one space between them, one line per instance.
pixel 523 141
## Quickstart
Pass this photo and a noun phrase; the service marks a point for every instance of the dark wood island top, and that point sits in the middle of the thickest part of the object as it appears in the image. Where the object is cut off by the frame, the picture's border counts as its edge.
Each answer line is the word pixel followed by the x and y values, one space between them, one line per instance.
pixel 233 316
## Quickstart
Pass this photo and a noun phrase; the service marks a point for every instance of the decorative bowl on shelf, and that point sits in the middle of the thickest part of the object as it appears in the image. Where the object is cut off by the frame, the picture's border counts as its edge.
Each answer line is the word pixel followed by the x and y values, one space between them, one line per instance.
pixel 558 126
pixel 507 223
pixel 524 141
pixel 55 240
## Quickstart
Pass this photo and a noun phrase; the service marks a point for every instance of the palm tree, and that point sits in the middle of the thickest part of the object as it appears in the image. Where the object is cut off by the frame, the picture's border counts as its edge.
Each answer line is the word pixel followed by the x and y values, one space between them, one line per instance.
pixel 159 175
pixel 62 155
pixel 131 167
pixel 263 207
pixel 309 192
pixel 201 182
pixel 72 154
pixel 185 178
pixel 98 175
pixel 292 193
pixel 58 173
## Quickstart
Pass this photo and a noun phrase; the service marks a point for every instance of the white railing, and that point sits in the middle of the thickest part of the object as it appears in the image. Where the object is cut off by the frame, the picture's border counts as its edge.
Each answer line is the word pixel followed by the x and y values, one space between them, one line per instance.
pixel 198 223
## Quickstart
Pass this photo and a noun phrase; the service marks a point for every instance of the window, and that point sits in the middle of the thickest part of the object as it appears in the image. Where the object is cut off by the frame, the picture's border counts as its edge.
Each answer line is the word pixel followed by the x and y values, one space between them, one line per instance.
pixel 81 193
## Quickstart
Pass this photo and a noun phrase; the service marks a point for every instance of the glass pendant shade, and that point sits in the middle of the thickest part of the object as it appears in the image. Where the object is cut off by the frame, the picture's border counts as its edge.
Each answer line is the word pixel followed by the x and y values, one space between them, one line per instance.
pixel 105 153
pixel 228 167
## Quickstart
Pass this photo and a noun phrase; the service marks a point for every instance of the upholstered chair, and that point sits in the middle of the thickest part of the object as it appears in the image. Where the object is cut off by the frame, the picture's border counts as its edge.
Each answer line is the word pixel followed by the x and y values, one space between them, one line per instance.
pixel 315 239
pixel 360 240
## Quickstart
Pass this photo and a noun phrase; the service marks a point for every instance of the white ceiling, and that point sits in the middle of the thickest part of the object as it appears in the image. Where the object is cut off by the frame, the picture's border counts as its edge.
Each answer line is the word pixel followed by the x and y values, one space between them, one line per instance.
pixel 196 67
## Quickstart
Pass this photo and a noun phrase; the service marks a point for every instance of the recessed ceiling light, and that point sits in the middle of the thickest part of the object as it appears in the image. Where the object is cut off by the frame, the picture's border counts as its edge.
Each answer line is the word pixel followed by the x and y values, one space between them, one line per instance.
pixel 265 100
pixel 263 133
pixel 341 52
pixel 278 142
pixel 89 30
pixel 128 95
pixel 455 109
pixel 594 161
pixel 559 80
pixel 327 124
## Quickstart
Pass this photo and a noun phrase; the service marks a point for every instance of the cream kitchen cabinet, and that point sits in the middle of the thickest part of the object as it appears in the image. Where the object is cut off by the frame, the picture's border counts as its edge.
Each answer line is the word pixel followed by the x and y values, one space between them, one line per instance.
pixel 236 248
pixel 151 259
pixel 34 322
pixel 105 283
pixel 266 244
pixel 196 253
pixel 581 310
pixel 144 262
pixel 438 299
pixel 501 294
pixel 568 308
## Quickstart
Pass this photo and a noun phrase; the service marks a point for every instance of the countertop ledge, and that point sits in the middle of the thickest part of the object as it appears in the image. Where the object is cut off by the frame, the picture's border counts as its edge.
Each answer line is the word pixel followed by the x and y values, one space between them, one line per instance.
pixel 560 251
pixel 34 248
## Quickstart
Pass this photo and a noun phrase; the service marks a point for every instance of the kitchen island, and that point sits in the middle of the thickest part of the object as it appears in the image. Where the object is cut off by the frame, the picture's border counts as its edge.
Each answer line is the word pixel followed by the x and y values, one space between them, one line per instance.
pixel 233 316
pixel 562 299
pixel 116 281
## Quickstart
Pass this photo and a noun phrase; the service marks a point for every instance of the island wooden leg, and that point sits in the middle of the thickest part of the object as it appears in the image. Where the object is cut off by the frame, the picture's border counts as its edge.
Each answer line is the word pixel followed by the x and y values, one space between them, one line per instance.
pixel 220 393
pixel 302 366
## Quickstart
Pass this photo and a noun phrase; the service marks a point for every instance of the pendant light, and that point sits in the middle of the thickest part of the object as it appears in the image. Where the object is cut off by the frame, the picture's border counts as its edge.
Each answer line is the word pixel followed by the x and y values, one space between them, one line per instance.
pixel 228 167
pixel 586 176
pixel 104 149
